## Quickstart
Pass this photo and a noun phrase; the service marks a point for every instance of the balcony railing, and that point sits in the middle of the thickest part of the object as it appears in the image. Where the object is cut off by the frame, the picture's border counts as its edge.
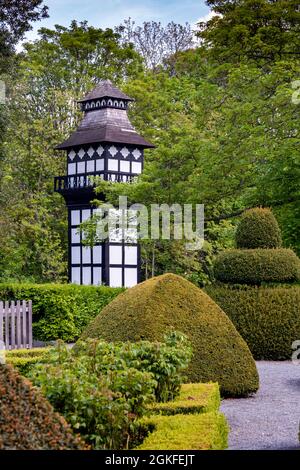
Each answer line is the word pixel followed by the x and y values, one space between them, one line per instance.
pixel 87 181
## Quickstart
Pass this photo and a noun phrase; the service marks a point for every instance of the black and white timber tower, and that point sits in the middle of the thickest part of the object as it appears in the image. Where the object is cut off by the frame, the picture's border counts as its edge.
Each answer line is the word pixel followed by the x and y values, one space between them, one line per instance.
pixel 106 145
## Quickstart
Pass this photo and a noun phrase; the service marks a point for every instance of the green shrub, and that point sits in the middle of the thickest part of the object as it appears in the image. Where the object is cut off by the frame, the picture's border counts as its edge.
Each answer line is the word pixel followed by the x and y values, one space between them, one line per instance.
pixel 193 398
pixel 268 318
pixel 102 407
pixel 257 266
pixel 25 359
pixel 60 311
pixel 258 228
pixel 207 431
pixel 102 389
pixel 167 362
pixel 149 309
pixel 27 420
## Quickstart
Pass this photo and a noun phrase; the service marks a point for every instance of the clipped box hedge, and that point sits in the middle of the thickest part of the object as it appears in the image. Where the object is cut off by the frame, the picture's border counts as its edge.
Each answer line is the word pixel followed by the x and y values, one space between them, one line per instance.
pixel 207 431
pixel 268 318
pixel 24 359
pixel 193 398
pixel 190 422
pixel 257 266
pixel 60 311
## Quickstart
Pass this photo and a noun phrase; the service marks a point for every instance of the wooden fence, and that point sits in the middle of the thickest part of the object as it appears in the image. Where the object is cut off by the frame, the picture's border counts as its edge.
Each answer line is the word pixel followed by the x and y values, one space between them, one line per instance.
pixel 16 324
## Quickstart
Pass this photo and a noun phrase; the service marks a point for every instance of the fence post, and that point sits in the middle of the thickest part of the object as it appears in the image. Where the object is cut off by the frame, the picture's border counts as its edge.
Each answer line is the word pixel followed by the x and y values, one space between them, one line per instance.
pixel 18 324
pixel 6 315
pixel 12 325
pixel 30 323
pixel 1 320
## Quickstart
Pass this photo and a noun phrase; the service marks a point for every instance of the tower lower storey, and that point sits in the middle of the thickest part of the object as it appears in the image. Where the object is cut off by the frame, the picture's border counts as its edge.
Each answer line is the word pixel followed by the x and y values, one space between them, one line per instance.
pixel 115 262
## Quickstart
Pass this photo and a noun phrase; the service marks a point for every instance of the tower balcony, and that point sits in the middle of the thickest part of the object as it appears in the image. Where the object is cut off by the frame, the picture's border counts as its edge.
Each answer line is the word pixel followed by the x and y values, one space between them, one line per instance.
pixel 64 184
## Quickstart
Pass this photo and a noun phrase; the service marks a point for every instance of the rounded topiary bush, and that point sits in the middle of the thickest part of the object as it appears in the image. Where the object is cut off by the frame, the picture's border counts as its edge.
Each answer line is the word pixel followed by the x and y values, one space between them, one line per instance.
pixel 268 318
pixel 27 420
pixel 149 309
pixel 258 228
pixel 257 266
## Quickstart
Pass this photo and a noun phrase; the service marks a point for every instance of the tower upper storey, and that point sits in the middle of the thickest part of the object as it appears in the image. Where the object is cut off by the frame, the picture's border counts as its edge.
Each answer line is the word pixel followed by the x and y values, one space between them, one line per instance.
pixel 105 120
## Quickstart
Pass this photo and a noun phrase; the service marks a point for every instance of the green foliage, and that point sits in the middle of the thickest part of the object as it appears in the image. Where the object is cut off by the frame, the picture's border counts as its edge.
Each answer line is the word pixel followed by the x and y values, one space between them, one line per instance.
pixel 231 122
pixel 258 228
pixel 208 431
pixel 25 359
pixel 193 398
pixel 257 266
pixel 16 17
pixel 60 311
pixel 53 73
pixel 150 308
pixel 252 30
pixel 268 318
pixel 167 361
pixel 27 420
pixel 102 389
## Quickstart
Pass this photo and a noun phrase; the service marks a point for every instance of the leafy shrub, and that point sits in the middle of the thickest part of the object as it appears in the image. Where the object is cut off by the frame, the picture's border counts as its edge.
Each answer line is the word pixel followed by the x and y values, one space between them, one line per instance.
pixel 27 420
pixel 193 398
pixel 147 310
pixel 207 431
pixel 257 266
pixel 258 228
pixel 60 311
pixel 102 389
pixel 102 407
pixel 25 359
pixel 166 361
pixel 268 318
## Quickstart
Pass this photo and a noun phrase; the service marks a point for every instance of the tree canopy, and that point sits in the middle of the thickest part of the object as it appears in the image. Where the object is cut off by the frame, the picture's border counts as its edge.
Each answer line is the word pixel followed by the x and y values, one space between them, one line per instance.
pixel 220 112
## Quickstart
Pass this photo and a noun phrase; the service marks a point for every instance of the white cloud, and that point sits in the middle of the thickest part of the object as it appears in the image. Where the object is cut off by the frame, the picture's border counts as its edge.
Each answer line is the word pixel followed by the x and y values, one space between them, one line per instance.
pixel 205 18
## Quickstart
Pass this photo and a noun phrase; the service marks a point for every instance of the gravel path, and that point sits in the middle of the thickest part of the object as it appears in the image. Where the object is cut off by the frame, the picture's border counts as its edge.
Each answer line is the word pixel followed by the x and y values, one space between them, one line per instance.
pixel 270 419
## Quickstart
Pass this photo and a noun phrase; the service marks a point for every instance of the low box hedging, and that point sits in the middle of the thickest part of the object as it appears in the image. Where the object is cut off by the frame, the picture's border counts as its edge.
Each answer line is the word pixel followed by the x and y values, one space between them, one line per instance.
pixel 268 318
pixel 257 266
pixel 193 398
pixel 208 431
pixel 25 359
pixel 60 311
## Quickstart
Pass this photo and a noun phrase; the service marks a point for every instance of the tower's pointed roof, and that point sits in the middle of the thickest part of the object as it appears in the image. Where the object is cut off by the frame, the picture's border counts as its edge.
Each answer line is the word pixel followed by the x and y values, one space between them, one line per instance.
pixel 105 89
pixel 105 121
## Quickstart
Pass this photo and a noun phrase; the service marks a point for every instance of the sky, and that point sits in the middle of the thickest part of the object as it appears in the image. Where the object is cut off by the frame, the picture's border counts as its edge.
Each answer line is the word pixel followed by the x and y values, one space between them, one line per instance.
pixel 110 13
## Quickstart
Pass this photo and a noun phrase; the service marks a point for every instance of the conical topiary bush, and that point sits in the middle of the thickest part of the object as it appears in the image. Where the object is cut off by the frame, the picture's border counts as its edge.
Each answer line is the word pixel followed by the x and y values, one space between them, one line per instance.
pixel 147 310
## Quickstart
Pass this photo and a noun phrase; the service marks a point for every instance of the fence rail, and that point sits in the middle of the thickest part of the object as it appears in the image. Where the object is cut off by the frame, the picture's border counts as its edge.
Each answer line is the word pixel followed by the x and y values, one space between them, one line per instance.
pixel 16 324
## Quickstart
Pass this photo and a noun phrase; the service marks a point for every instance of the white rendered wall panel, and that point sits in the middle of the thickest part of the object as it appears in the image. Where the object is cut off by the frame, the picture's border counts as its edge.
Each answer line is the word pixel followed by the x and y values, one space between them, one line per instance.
pixel 115 277
pixel 130 277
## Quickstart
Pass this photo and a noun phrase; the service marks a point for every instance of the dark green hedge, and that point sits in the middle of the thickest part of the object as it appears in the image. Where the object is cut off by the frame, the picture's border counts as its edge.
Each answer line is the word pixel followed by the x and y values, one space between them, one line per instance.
pixel 268 318
pixel 257 266
pixel 258 228
pixel 60 311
